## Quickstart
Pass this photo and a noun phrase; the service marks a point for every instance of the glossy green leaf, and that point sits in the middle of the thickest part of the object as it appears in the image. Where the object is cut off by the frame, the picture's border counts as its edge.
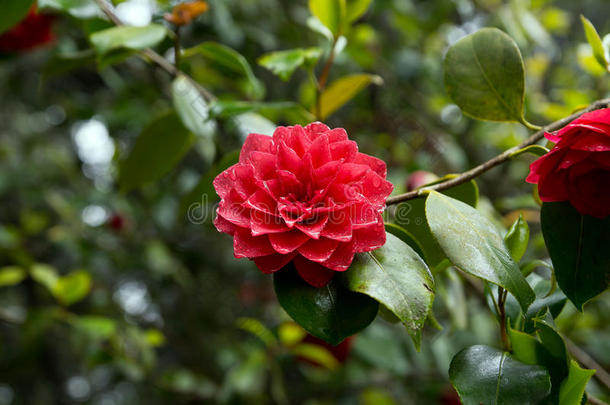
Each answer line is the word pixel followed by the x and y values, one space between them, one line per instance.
pixel 284 63
pixel 191 107
pixel 473 244
pixel 484 375
pixel 573 388
pixel 578 246
pixel 330 12
pixel 228 61
pixel 11 275
pixel 13 12
pixel 356 9
pixel 127 37
pixel 404 235
pixel 76 8
pixel 160 146
pixel 343 90
pixel 330 313
pixel 517 238
pixel 411 215
pixel 72 288
pixel 485 77
pixel 595 41
pixel 530 350
pixel 398 278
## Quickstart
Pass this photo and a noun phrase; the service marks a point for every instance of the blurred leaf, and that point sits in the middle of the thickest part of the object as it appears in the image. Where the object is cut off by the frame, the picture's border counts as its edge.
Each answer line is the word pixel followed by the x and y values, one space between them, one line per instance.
pixel 290 333
pixel 316 354
pixel 255 327
pixel 474 245
pixel 316 25
pixel 273 111
pixel 484 375
pixel 127 37
pixel 228 61
pixel 45 275
pixel 76 8
pixel 13 12
pixel 485 77
pixel 284 63
pixel 11 275
pixel 72 288
pixel 96 326
pixel 376 396
pixel 184 381
pixel 411 215
pixel 158 149
pixel 203 193
pixel 356 9
pixel 573 388
pixel 330 12
pixel 154 338
pixel 517 238
pixel 191 107
pixel 343 90
pixel 398 278
pixel 595 41
pixel 577 245
pixel 331 313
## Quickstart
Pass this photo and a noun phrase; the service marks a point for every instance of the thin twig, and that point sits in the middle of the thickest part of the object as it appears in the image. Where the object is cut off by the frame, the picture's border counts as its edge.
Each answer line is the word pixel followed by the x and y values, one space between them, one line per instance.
pixel 499 159
pixel 595 401
pixel 321 83
pixel 155 57
pixel 586 360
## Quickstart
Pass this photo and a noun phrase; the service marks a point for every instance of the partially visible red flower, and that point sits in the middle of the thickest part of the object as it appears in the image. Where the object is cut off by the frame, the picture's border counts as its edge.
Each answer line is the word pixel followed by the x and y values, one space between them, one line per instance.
pixel 33 31
pixel 577 169
pixel 305 195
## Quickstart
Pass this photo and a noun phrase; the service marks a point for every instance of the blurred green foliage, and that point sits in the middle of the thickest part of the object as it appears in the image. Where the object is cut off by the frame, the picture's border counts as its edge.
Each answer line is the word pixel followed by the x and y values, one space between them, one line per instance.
pixel 111 298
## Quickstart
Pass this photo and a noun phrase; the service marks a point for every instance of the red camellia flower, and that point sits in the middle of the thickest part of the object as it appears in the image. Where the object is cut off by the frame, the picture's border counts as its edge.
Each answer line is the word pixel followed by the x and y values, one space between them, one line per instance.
pixel 34 30
pixel 577 169
pixel 304 195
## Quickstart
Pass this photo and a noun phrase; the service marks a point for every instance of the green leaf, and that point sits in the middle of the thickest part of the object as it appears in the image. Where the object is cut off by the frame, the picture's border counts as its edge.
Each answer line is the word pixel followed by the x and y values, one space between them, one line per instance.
pixel 356 9
pixel 228 61
pixel 404 235
pixel 485 77
pixel 398 278
pixel 595 41
pixel 127 37
pixel 530 350
pixel 81 9
pixel 474 245
pixel 191 107
pixel 331 13
pixel 255 327
pixel 160 146
pixel 45 275
pixel 411 215
pixel 573 388
pixel 13 12
pixel 484 375
pixel 517 238
pixel 72 288
pixel 11 275
pixel 284 63
pixel 331 313
pixel 343 90
pixel 578 246
pixel 275 111
pixel 536 150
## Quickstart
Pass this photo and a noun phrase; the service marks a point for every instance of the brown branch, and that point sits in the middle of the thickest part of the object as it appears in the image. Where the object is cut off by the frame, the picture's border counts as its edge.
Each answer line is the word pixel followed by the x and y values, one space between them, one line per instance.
pixel 154 56
pixel 595 401
pixel 321 83
pixel 589 362
pixel 499 159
